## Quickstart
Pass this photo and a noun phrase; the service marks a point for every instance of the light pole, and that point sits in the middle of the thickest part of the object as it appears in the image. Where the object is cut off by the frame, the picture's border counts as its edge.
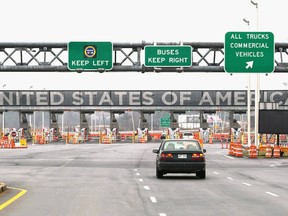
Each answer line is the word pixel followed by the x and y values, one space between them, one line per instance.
pixel 248 98
pixel 43 120
pixel 30 117
pixel 133 124
pixel 95 118
pixel 3 113
pixel 43 117
pixel 62 124
pixel 152 122
pixel 91 122
pixel 257 90
pixel 285 84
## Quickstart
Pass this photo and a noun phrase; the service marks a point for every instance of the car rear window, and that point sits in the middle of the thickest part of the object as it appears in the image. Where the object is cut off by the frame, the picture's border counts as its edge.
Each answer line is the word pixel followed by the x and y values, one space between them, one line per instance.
pixel 188 134
pixel 181 145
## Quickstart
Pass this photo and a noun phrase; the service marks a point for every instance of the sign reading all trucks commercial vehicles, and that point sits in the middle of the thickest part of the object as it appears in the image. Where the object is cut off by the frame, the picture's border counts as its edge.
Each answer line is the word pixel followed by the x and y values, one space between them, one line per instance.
pixel 249 52
pixel 90 55
pixel 168 56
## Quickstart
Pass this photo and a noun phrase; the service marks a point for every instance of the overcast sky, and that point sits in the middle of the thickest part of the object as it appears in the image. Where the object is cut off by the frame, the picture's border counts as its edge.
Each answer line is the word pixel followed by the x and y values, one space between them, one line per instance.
pixel 135 21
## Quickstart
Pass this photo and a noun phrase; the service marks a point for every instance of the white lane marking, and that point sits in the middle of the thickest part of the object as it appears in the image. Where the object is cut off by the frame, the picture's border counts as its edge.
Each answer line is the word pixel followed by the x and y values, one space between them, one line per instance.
pixel 141 180
pixel 146 187
pixel 272 194
pixel 137 174
pixel 226 156
pixel 153 199
pixel 230 178
pixel 247 184
pixel 135 170
pixel 275 164
pixel 162 214
pixel 216 173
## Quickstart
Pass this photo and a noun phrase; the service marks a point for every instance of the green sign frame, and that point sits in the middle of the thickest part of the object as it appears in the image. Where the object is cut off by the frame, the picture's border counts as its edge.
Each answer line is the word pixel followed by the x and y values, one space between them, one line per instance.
pixel 249 52
pixel 168 56
pixel 90 55
pixel 165 122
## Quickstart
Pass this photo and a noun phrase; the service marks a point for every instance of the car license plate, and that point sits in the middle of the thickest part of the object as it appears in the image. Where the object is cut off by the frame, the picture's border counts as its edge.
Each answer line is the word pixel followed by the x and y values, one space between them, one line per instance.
pixel 182 156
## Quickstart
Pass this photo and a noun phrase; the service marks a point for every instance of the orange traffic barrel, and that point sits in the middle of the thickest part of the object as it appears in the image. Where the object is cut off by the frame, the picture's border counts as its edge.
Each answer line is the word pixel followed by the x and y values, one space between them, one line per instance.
pixel 276 153
pixel 238 150
pixel 252 151
pixel 231 149
pixel 268 152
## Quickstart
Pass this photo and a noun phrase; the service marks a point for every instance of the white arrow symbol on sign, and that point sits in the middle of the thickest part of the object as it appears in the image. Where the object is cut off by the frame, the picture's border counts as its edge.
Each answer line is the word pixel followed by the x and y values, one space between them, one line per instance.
pixel 249 64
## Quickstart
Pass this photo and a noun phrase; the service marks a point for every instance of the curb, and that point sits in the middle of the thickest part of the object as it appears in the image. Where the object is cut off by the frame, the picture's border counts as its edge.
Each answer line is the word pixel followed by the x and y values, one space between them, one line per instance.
pixel 2 187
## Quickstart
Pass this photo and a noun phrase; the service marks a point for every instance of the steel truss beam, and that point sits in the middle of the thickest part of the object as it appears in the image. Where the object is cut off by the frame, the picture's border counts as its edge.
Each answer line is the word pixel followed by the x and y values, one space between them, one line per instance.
pixel 128 57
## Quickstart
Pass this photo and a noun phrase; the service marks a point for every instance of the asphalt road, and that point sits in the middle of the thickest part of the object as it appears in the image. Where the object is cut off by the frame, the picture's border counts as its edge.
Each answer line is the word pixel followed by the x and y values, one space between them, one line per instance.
pixel 119 179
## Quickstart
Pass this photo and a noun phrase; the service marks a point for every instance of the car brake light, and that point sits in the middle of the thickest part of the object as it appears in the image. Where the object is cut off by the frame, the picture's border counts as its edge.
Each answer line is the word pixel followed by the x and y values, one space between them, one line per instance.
pixel 198 156
pixel 166 156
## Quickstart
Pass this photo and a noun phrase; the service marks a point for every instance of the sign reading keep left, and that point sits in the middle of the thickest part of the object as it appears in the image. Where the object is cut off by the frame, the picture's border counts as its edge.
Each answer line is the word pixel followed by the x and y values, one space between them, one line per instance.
pixel 90 56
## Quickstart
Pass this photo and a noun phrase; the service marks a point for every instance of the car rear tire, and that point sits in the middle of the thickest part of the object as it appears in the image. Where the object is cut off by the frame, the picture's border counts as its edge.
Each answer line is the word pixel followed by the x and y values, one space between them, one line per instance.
pixel 159 174
pixel 201 174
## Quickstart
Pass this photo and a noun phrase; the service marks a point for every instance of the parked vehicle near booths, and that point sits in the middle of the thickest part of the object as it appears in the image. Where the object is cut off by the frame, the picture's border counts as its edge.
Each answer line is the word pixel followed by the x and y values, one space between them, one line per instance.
pixel 180 156
pixel 163 136
pixel 188 135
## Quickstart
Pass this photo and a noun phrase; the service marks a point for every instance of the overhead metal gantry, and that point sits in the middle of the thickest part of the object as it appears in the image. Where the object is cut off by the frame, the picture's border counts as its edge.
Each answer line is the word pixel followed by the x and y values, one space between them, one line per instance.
pixel 128 57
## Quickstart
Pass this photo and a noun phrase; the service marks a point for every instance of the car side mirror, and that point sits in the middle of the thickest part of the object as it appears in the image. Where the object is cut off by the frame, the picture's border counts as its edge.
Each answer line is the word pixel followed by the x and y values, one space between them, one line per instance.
pixel 204 150
pixel 156 151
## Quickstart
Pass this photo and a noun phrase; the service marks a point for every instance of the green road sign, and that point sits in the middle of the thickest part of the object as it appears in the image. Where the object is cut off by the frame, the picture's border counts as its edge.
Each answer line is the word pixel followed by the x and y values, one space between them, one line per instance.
pixel 168 56
pixel 249 52
pixel 90 55
pixel 165 122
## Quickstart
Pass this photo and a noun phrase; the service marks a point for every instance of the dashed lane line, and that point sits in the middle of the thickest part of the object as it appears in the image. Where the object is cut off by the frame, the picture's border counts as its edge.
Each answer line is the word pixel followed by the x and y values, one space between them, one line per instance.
pixel 272 194
pixel 153 199
pixel 146 187
pixel 247 184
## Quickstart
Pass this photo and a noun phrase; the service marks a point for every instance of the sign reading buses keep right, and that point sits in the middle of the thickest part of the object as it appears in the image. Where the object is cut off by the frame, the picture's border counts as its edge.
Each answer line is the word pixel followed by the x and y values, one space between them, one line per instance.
pixel 249 52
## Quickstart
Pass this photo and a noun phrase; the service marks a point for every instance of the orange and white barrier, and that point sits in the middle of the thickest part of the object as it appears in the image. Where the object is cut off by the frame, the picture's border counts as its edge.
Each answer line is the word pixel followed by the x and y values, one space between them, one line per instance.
pixel 238 150
pixel 245 139
pixel 5 143
pixel 268 152
pixel 10 144
pixel 276 152
pixel 106 140
pixel 252 151
pixel 231 148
